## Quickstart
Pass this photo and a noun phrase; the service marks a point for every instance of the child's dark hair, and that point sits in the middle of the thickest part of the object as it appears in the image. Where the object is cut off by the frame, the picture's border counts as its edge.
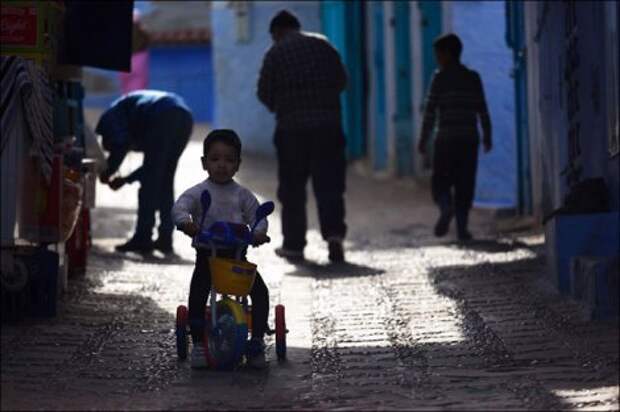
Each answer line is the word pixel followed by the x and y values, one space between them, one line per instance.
pixel 449 43
pixel 226 136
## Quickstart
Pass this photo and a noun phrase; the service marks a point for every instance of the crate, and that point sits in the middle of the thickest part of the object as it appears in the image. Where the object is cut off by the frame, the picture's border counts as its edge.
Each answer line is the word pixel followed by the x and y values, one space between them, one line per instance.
pixel 594 282
pixel 29 283
pixel 569 236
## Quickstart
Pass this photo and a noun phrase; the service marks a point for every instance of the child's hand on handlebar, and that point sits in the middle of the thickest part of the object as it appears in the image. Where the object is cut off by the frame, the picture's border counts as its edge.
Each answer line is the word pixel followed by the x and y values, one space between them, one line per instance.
pixel 189 228
pixel 260 238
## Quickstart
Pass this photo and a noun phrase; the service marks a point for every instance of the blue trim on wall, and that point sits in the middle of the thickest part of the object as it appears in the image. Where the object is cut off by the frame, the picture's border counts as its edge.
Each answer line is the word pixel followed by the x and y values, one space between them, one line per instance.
pixel 380 152
pixel 515 38
pixel 431 22
pixel 403 122
pixel 342 23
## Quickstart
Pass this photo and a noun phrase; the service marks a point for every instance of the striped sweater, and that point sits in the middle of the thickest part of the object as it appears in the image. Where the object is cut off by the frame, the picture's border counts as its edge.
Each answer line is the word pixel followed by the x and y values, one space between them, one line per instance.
pixel 455 98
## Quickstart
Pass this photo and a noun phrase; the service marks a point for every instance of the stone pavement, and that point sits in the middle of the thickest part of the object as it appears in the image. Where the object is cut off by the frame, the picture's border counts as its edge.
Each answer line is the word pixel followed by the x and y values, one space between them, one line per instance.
pixel 411 322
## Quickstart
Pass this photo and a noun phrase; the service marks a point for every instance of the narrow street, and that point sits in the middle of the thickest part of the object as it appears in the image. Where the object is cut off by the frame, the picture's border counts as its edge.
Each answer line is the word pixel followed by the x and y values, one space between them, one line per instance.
pixel 411 322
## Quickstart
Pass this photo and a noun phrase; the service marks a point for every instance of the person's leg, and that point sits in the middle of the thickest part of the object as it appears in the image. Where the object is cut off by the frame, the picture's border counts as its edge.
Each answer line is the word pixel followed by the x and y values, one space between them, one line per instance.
pixel 176 129
pixel 328 168
pixel 465 186
pixel 149 194
pixel 441 185
pixel 199 289
pixel 260 307
pixel 260 312
pixel 293 175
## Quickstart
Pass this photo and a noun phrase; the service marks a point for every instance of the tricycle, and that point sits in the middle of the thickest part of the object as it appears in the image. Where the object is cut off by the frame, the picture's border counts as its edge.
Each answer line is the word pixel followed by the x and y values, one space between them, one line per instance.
pixel 228 314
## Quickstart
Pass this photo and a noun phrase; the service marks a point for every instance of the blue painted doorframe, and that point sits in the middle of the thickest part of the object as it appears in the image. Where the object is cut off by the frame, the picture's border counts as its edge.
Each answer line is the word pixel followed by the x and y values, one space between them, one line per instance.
pixel 343 24
pixel 431 23
pixel 380 147
pixel 515 37
pixel 403 118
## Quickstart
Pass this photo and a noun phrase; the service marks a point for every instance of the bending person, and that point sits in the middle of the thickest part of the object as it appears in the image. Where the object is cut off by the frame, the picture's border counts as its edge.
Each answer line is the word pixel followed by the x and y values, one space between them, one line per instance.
pixel 158 124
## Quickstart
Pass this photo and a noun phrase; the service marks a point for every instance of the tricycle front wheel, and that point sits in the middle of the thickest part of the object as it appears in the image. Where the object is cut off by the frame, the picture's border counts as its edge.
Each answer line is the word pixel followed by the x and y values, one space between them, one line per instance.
pixel 225 345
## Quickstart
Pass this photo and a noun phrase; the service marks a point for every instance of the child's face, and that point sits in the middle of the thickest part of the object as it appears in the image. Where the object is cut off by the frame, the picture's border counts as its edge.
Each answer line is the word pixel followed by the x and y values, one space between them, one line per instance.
pixel 221 162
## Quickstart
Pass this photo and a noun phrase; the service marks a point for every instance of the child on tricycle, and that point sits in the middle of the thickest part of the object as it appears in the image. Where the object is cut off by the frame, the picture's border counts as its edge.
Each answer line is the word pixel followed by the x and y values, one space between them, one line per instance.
pixel 231 208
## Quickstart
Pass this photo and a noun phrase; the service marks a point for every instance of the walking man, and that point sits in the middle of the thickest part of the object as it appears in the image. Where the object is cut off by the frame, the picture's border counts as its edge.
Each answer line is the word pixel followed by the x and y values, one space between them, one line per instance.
pixel 301 79
pixel 456 96
pixel 158 124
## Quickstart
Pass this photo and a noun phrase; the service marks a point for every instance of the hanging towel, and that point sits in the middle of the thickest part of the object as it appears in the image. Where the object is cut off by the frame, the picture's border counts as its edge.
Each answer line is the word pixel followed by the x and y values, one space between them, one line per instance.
pixel 22 81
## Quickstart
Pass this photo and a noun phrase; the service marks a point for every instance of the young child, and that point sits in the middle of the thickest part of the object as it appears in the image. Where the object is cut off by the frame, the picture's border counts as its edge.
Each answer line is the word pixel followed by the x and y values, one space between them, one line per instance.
pixel 456 98
pixel 230 202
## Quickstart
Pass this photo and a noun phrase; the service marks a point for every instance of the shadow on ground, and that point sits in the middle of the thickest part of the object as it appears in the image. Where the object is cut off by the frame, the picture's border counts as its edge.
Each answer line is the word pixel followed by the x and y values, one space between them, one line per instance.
pixel 116 258
pixel 308 268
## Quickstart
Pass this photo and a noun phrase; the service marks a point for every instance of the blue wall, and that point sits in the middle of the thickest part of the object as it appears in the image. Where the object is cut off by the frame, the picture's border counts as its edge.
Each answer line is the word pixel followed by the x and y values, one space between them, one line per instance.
pixel 185 70
pixel 237 66
pixel 487 53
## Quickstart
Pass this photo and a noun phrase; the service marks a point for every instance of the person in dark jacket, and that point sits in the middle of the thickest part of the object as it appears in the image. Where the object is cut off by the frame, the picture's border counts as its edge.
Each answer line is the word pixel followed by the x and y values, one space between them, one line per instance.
pixel 300 80
pixel 158 124
pixel 456 97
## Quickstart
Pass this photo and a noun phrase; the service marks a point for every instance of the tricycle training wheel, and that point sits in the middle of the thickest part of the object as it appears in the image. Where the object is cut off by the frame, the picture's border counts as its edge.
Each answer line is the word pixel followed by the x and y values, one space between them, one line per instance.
pixel 181 332
pixel 280 333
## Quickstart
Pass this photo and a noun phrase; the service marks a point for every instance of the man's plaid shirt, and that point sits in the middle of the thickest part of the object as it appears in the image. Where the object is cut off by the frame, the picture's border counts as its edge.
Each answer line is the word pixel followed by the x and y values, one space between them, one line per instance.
pixel 301 80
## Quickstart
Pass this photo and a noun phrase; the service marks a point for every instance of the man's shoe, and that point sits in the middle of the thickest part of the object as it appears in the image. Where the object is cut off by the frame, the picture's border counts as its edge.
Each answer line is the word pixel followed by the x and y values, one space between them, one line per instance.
pixel 336 251
pixel 462 217
pixel 256 354
pixel 290 254
pixel 443 223
pixel 134 245
pixel 465 236
pixel 198 356
pixel 164 246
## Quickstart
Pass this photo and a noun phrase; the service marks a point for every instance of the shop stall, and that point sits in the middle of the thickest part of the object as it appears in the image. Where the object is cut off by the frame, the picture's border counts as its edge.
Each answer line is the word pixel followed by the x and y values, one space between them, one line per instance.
pixel 48 165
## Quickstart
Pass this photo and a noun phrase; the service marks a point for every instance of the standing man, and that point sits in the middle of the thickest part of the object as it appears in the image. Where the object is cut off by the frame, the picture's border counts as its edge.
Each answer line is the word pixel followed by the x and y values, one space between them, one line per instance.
pixel 457 97
pixel 301 79
pixel 158 124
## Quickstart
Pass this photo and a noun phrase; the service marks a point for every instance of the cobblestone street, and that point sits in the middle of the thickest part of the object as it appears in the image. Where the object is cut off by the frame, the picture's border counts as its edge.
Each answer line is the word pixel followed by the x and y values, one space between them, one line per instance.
pixel 411 322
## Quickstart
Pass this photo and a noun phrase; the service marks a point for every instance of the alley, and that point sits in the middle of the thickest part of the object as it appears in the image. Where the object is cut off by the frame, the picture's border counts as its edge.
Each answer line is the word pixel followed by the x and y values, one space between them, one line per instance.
pixel 410 322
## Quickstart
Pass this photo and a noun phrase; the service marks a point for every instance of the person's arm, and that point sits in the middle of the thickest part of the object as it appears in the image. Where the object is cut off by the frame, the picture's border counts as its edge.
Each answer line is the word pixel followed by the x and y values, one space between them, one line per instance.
pixel 113 126
pixel 483 113
pixel 249 204
pixel 267 82
pixel 117 154
pixel 182 213
pixel 430 109
pixel 135 175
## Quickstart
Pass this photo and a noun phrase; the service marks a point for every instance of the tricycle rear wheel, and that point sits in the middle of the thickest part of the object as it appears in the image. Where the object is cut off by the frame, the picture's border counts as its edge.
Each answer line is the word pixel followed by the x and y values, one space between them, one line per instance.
pixel 280 333
pixel 181 332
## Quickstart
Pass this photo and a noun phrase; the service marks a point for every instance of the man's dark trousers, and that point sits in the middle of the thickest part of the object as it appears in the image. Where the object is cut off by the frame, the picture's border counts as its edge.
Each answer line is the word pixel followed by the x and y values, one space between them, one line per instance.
pixel 169 134
pixel 318 154
pixel 455 162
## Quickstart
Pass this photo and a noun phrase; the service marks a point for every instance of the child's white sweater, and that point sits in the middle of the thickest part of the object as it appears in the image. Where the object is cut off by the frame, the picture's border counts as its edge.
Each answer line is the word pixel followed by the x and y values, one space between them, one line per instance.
pixel 230 202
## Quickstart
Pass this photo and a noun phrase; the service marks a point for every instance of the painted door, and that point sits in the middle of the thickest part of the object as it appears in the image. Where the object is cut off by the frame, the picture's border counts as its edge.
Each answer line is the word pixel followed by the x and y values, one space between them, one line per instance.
pixel 403 117
pixel 380 146
pixel 515 37
pixel 430 22
pixel 343 24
